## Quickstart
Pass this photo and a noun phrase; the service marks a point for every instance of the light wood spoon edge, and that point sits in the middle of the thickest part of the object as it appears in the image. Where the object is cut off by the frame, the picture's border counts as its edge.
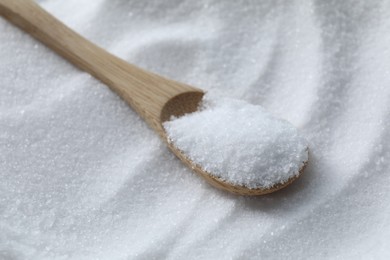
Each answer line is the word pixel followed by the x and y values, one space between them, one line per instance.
pixel 153 97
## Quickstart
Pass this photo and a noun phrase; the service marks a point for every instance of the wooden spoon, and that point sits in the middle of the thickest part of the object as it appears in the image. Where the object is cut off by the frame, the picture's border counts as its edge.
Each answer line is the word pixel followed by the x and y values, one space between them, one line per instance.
pixel 155 98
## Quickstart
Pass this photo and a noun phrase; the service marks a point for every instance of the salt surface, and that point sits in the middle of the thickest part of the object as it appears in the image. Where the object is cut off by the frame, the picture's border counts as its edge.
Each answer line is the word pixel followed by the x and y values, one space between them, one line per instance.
pixel 240 143
pixel 83 177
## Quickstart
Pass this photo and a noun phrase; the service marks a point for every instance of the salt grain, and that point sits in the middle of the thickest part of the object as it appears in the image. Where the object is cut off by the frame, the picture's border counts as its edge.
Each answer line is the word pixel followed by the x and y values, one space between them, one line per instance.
pixel 239 142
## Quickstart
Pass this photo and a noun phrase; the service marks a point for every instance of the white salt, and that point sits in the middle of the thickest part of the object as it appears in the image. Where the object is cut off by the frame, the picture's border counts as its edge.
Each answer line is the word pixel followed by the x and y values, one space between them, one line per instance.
pixel 83 177
pixel 239 142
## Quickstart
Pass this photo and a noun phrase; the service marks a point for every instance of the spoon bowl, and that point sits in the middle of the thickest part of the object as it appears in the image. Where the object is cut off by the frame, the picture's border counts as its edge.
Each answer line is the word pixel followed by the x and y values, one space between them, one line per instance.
pixel 187 103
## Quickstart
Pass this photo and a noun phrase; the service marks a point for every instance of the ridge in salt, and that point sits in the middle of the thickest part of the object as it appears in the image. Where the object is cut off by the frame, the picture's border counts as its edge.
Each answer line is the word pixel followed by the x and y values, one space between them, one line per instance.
pixel 240 143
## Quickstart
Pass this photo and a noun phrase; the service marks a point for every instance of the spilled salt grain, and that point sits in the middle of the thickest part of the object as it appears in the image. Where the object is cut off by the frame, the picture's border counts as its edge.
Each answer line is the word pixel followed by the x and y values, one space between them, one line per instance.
pixel 239 142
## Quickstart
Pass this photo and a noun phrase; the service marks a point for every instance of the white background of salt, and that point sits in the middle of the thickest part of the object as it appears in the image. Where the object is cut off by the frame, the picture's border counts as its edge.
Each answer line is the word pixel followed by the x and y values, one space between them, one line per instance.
pixel 83 177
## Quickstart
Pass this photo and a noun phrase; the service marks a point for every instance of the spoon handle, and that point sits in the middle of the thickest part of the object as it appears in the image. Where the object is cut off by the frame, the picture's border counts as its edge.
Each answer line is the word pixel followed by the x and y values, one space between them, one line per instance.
pixel 146 92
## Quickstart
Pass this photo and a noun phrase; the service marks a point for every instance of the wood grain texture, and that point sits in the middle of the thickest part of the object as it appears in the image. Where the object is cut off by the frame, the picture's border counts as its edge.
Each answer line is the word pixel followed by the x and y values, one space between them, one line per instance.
pixel 154 97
